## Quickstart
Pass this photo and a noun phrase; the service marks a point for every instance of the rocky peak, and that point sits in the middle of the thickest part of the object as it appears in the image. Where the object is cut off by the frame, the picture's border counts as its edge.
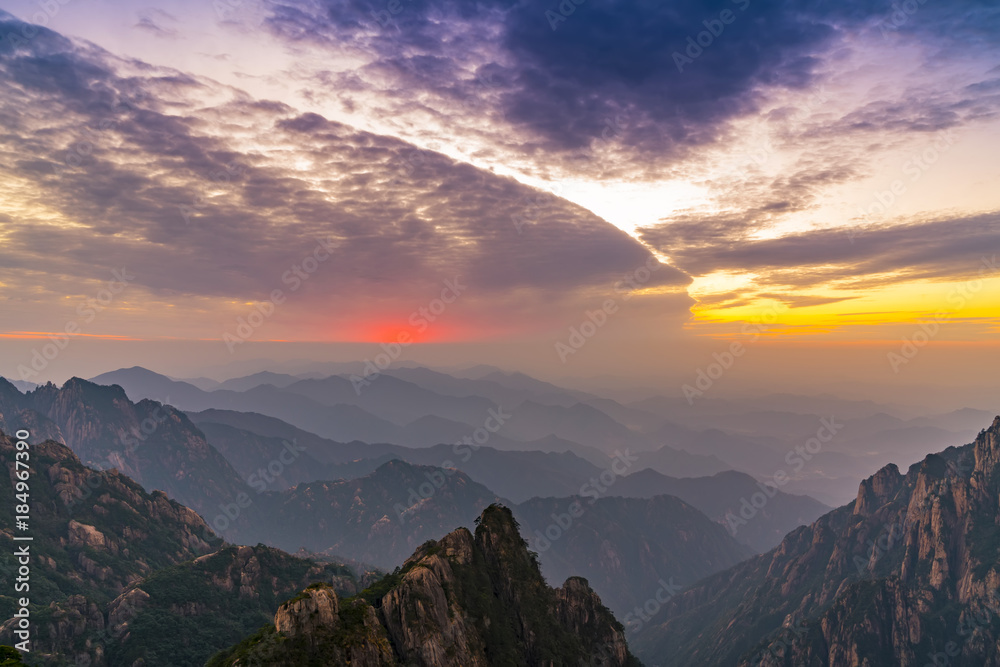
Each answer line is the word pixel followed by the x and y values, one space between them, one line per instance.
pixel 886 581
pixel 878 489
pixel 462 601
pixel 987 450
pixel 581 610
pixel 499 538
pixel 316 608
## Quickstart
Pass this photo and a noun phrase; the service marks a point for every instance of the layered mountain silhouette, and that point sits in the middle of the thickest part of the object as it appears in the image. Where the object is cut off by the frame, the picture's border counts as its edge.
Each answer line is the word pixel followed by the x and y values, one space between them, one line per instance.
pixel 905 574
pixel 394 410
pixel 731 498
pixel 154 444
pixel 375 510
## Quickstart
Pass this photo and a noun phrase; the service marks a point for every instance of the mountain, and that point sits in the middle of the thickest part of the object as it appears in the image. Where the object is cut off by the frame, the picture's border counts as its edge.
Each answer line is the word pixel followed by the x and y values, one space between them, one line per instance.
pixel 279 380
pixel 340 422
pixel 731 498
pixel 578 423
pixel 153 444
pixel 183 614
pixel 513 474
pixel 513 389
pixel 203 383
pixel 275 463
pixel 322 449
pixel 140 383
pixel 626 547
pixel 907 574
pixel 84 554
pixel 393 410
pixel 379 518
pixel 760 456
pixel 129 577
pixel 450 385
pixel 23 385
pixel 393 399
pixel 679 463
pixel 465 600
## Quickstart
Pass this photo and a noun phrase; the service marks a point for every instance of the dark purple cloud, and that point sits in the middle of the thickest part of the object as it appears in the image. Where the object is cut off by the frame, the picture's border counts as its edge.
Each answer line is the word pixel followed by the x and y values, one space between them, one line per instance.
pixel 152 179
pixel 561 72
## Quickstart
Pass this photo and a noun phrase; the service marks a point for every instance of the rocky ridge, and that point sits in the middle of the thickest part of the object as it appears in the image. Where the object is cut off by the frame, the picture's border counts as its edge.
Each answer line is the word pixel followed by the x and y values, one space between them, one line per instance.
pixel 470 600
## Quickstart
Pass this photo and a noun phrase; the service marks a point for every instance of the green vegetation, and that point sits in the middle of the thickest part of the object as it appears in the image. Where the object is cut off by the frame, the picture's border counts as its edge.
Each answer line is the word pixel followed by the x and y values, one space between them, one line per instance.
pixel 189 615
pixel 10 657
pixel 500 593
pixel 194 606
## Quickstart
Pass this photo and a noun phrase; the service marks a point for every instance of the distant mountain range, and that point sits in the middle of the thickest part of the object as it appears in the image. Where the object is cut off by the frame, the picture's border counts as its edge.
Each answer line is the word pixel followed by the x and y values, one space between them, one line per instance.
pixel 419 407
pixel 731 498
pixel 130 571
pixel 374 506
pixel 397 411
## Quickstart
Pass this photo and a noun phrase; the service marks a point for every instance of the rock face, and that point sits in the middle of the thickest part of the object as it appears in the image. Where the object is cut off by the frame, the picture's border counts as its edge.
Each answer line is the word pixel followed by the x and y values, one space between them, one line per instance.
pixel 464 601
pixel 308 614
pixel 134 578
pixel 908 574
pixel 85 555
pixel 152 443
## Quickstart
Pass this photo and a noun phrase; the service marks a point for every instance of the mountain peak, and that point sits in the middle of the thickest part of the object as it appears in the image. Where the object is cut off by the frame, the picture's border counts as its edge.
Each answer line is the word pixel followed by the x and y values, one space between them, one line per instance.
pixel 987 449
pixel 878 489
pixel 456 601
pixel 78 385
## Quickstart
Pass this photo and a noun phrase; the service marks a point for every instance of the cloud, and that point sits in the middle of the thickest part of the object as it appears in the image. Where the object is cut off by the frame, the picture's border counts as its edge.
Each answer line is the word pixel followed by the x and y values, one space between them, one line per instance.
pixel 152 20
pixel 559 83
pixel 668 78
pixel 206 193
pixel 939 249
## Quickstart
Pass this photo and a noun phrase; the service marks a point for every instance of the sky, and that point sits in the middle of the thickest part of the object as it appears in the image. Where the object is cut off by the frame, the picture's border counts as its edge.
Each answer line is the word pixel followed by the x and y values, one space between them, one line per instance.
pixel 585 188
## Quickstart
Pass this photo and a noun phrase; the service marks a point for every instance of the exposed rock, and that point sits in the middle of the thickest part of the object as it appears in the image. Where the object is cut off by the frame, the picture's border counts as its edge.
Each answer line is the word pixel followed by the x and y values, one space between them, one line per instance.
pixel 897 577
pixel 878 489
pixel 308 614
pixel 464 601
pixel 80 534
